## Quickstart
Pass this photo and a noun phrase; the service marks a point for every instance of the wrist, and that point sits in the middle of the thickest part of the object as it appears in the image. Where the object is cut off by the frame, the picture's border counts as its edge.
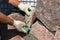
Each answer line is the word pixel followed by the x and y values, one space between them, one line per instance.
pixel 10 21
pixel 21 6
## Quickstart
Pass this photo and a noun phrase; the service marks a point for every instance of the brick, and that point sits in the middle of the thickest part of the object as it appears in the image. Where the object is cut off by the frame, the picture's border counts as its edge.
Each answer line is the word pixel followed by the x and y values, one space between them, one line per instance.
pixel 16 16
pixel 57 35
pixel 17 38
pixel 41 33
pixel 48 11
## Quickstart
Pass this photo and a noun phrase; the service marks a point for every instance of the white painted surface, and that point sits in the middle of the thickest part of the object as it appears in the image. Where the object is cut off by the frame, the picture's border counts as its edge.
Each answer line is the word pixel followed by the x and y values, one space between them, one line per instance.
pixel 32 2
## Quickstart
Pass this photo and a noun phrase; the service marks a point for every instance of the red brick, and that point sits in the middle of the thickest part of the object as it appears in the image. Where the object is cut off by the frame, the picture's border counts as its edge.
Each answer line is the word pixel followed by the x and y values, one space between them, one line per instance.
pixel 41 33
pixel 17 16
pixel 17 38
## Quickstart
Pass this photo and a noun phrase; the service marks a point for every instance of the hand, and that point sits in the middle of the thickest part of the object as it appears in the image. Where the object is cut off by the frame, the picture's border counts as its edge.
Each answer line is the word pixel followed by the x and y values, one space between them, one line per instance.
pixel 26 8
pixel 19 25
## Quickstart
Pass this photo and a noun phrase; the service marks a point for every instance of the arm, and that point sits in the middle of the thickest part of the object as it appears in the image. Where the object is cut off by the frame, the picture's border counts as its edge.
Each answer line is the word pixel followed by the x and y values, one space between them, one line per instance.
pixel 24 7
pixel 13 2
pixel 5 19
pixel 18 24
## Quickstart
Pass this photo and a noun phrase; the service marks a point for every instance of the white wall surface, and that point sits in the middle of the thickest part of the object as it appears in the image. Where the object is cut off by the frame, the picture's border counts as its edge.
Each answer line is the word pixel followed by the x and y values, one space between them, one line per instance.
pixel 32 2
